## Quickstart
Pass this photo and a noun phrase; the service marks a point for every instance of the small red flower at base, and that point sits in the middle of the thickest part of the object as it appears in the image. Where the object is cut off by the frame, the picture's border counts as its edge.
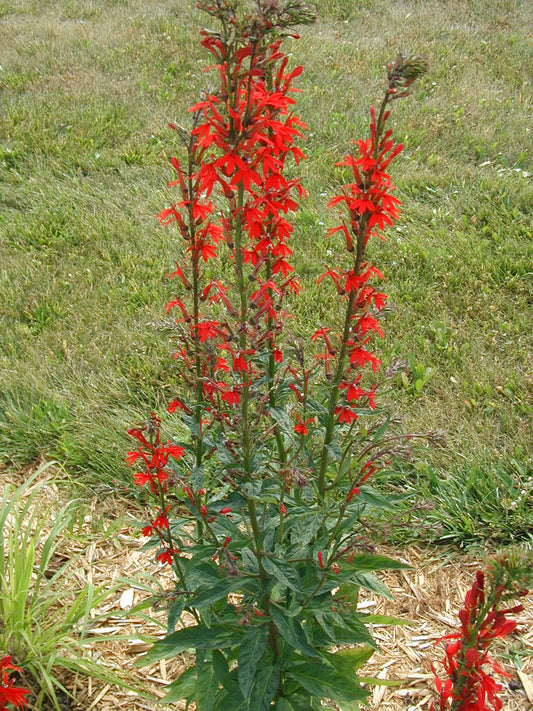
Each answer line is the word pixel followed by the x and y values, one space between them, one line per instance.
pixel 9 693
pixel 165 557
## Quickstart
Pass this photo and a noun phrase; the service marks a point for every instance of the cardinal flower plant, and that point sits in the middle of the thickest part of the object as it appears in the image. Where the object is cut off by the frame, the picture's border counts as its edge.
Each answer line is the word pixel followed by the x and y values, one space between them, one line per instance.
pixel 259 510
pixel 468 684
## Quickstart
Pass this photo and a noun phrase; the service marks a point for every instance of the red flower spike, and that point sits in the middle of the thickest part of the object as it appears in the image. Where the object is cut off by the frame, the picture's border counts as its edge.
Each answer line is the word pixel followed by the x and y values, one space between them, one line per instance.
pixel 468 686
pixel 356 490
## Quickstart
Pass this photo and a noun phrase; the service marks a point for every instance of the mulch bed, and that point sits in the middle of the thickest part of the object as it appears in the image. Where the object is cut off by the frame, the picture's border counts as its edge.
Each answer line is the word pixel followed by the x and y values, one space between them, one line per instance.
pixel 429 595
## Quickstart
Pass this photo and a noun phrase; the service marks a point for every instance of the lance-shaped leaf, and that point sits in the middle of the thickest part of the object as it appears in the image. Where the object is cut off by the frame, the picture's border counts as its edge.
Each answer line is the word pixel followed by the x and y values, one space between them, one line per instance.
pixel 282 572
pixel 292 632
pixel 199 637
pixel 250 652
pixel 182 688
pixel 264 688
pixel 355 657
pixel 217 592
pixel 369 582
pixel 206 688
pixel 320 679
pixel 367 562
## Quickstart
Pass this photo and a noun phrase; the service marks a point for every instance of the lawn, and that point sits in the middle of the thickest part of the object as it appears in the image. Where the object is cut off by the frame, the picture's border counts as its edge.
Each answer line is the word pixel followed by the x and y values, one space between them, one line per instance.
pixel 87 88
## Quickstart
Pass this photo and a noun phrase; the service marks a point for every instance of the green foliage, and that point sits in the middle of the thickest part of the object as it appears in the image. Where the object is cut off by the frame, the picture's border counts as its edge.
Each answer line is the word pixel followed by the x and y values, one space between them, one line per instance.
pixel 45 613
pixel 484 504
pixel 470 506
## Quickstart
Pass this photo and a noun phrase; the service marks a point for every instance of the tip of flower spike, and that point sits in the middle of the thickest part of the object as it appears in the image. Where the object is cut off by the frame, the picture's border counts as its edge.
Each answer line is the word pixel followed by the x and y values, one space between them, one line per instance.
pixel 404 71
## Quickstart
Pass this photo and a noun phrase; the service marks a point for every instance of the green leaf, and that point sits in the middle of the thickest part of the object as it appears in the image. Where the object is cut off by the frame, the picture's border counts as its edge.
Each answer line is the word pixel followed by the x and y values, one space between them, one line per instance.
pixel 191 638
pixel 251 650
pixel 323 681
pixel 284 573
pixel 375 681
pixel 182 688
pixel 175 609
pixel 348 592
pixel 250 561
pixel 356 657
pixel 233 700
pixel 217 592
pixel 206 688
pixel 345 629
pixel 306 526
pixel 223 455
pixel 197 477
pixel 369 561
pixel 370 582
pixel 371 497
pixel 292 703
pixel 264 688
pixel 335 452
pixel 384 620
pixel 220 665
pixel 280 416
pixel 378 434
pixel 292 632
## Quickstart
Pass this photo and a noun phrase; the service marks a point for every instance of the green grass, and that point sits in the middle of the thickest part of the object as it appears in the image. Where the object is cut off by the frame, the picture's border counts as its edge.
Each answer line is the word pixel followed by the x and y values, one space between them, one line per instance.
pixel 86 92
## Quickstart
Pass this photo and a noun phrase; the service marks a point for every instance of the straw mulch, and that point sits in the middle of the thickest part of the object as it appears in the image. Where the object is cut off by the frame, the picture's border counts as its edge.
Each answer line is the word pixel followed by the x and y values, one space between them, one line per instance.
pixel 430 595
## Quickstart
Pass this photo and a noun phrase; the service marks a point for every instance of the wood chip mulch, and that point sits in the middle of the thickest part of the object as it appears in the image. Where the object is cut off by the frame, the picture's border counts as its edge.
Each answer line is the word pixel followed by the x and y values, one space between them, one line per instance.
pixel 429 595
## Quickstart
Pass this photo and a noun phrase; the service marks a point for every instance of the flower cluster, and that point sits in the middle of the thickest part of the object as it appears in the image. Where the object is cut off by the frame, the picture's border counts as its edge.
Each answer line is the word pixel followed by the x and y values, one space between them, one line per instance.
pixel 237 151
pixel 468 685
pixel 10 693
pixel 368 208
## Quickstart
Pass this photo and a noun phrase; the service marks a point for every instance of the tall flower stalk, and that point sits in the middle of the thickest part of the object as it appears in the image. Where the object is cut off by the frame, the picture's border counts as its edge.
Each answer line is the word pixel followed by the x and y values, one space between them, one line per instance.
pixel 257 510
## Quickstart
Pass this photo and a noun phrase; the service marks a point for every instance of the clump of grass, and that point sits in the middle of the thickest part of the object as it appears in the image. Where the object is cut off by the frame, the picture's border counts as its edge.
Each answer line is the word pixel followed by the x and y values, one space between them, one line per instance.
pixel 45 611
pixel 473 505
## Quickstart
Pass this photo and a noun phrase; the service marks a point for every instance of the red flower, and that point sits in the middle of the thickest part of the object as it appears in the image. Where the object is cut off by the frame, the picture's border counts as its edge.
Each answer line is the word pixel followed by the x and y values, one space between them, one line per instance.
pixel 346 414
pixel 232 397
pixel 301 427
pixel 356 490
pixel 161 521
pixel 9 693
pixel 142 478
pixel 178 404
pixel 240 364
pixel 165 557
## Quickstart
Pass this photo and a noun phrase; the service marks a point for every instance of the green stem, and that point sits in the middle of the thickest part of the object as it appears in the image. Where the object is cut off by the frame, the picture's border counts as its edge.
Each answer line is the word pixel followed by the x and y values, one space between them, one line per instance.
pixel 333 396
